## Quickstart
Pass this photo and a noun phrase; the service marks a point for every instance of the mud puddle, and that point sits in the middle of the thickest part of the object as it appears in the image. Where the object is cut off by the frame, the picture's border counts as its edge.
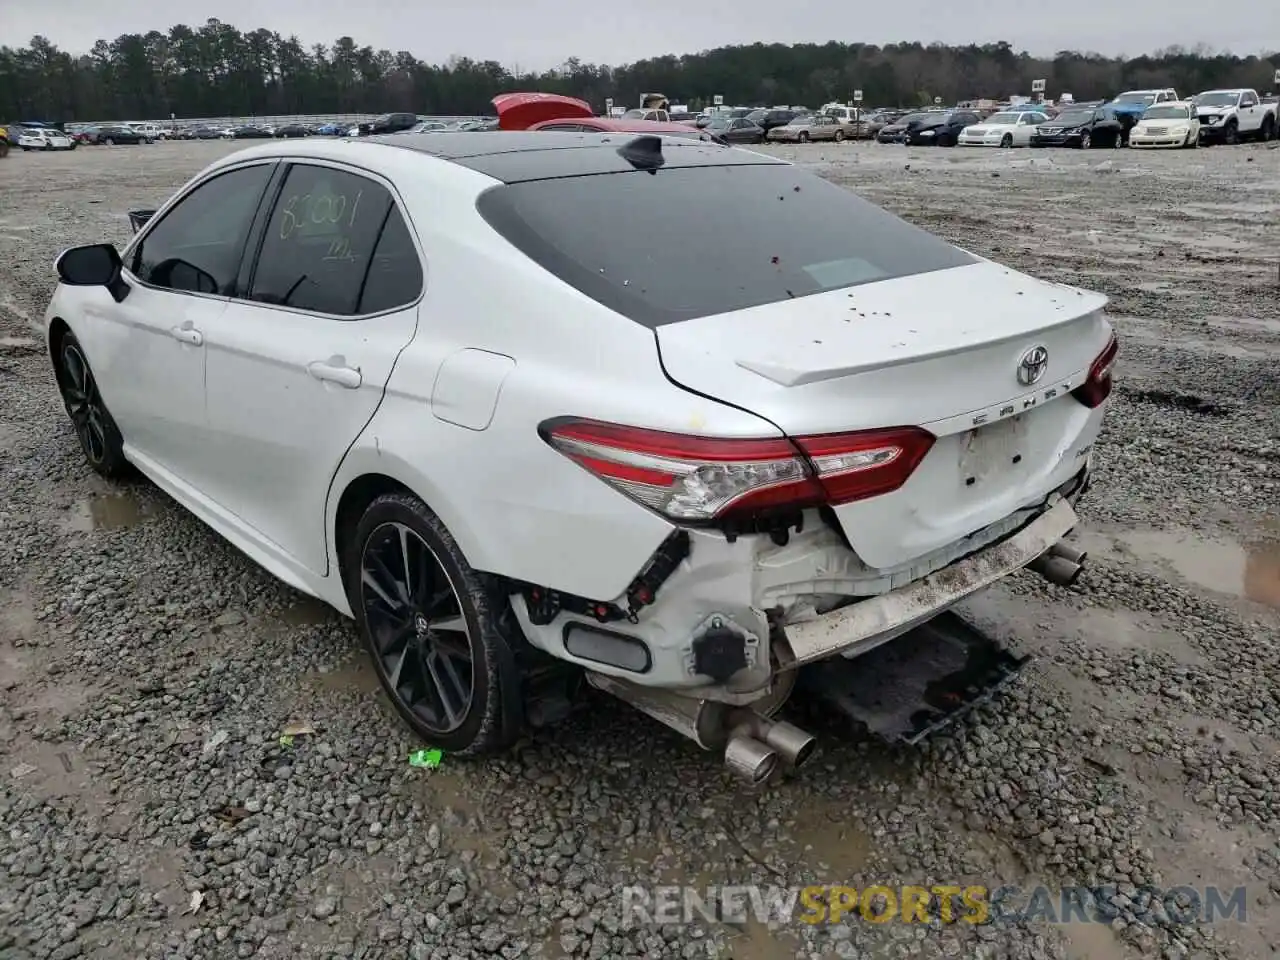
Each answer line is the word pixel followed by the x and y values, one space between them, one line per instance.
pixel 1247 571
pixel 111 511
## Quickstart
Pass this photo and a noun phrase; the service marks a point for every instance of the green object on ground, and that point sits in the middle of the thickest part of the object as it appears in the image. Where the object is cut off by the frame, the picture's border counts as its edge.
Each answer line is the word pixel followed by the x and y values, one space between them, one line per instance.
pixel 426 758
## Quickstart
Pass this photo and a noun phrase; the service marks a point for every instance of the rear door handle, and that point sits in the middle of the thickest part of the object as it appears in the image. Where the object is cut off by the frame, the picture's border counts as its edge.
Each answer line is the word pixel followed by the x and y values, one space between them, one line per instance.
pixel 187 334
pixel 335 370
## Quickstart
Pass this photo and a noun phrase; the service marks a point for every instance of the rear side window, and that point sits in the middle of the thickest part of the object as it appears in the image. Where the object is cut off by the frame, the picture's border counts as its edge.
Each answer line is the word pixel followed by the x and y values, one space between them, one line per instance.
pixel 691 242
pixel 395 272
pixel 320 240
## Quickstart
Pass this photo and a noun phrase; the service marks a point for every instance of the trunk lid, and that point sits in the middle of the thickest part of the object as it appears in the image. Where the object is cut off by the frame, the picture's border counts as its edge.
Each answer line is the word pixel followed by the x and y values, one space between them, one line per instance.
pixel 939 350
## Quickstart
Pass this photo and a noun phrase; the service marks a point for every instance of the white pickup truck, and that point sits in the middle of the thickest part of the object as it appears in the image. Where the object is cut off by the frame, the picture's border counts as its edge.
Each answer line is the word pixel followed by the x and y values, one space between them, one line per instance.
pixel 1228 116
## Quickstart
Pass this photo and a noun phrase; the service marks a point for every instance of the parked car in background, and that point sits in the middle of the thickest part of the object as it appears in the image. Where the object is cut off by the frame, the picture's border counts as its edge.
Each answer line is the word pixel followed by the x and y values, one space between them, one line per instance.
pixel 876 121
pixel 812 127
pixel 1006 129
pixel 653 115
pixel 740 130
pixel 1083 127
pixel 387 123
pixel 88 135
pixel 940 129
pixel 290 131
pixel 45 139
pixel 1229 116
pixel 427 126
pixel 113 134
pixel 845 114
pixel 896 132
pixel 253 131
pixel 769 119
pixel 1132 104
pixel 622 125
pixel 151 132
pixel 1169 124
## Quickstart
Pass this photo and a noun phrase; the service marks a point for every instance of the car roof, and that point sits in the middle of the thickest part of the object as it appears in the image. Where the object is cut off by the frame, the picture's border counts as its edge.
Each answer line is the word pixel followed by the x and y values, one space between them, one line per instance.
pixel 513 156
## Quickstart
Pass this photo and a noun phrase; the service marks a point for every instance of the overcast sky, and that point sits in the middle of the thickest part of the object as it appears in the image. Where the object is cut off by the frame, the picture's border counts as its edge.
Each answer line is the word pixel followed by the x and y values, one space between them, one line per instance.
pixel 538 35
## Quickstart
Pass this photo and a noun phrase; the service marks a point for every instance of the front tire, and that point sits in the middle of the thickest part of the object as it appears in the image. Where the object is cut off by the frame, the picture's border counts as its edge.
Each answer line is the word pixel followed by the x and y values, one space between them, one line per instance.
pixel 1232 134
pixel 839 136
pixel 1086 141
pixel 802 137
pixel 95 429
pixel 434 628
pixel 1268 131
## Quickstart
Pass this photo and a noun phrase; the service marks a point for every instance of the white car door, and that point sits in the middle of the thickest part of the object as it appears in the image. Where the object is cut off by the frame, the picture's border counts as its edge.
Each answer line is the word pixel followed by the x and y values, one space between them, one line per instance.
pixel 296 369
pixel 1025 127
pixel 148 350
pixel 1250 112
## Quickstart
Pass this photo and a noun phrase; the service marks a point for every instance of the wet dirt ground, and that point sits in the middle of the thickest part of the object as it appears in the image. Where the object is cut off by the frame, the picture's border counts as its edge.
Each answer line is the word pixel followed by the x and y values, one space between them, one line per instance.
pixel 147 671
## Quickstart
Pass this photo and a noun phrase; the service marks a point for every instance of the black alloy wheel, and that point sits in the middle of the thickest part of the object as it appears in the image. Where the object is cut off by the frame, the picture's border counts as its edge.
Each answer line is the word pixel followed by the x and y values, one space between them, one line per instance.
pixel 95 429
pixel 433 627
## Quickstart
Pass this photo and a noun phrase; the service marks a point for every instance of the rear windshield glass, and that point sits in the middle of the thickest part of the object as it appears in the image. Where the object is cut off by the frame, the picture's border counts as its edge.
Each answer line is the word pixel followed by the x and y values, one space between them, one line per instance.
pixel 690 242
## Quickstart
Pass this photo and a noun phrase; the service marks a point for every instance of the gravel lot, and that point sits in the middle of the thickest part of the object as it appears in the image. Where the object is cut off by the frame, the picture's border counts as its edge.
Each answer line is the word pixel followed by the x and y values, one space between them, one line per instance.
pixel 147 670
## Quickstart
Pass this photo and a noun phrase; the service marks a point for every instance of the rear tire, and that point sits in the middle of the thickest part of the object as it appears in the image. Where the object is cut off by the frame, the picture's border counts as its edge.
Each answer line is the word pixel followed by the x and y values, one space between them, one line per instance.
pixel 436 630
pixel 1268 131
pixel 802 137
pixel 109 142
pixel 95 429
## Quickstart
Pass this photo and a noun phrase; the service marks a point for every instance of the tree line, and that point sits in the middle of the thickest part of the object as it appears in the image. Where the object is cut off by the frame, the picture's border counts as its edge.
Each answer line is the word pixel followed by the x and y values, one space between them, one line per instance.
pixel 217 70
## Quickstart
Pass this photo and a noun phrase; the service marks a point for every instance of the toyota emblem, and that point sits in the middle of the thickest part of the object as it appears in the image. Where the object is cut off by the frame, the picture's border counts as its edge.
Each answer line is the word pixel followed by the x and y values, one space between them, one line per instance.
pixel 1033 365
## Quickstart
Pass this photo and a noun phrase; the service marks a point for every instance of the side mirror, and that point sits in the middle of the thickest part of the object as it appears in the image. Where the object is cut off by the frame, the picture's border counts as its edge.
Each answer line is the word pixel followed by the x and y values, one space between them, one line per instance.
pixel 95 265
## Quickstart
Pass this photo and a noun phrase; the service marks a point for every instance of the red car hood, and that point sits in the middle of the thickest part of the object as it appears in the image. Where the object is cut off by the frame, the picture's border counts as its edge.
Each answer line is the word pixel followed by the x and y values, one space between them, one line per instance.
pixel 518 111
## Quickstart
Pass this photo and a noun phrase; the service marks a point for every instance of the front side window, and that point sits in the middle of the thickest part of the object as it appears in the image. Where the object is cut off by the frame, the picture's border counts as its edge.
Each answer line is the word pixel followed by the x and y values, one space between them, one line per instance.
pixel 319 241
pixel 198 244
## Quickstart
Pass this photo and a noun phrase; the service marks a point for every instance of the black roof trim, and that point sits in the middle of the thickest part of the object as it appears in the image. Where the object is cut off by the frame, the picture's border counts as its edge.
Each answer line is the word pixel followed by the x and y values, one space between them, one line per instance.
pixel 516 157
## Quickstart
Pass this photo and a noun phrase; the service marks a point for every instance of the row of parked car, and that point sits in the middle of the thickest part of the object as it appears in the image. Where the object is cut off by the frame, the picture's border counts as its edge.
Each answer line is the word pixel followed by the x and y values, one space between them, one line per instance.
pixel 1136 118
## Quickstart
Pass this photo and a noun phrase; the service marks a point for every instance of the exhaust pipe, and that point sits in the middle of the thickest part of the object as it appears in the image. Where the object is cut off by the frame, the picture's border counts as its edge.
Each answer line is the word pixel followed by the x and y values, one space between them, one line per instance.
pixel 794 746
pixel 1056 569
pixel 750 759
pixel 1069 553
pixel 754 746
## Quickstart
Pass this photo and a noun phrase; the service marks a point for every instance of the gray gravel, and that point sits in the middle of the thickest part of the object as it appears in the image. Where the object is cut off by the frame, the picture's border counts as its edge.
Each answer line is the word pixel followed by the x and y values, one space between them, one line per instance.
pixel 147 670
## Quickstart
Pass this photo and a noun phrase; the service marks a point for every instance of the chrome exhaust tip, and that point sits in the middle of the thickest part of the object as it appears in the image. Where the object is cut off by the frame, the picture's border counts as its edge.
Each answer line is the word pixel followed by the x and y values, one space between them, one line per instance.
pixel 750 760
pixel 1057 570
pixel 1068 553
pixel 794 746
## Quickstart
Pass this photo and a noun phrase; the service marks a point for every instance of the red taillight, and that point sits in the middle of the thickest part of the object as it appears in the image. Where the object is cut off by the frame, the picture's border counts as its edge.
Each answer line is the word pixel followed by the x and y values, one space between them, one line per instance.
pixel 1097 386
pixel 697 479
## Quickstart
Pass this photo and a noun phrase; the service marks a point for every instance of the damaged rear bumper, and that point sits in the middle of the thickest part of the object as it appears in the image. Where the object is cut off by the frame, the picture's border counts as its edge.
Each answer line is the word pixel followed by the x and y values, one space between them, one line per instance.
pixel 855 629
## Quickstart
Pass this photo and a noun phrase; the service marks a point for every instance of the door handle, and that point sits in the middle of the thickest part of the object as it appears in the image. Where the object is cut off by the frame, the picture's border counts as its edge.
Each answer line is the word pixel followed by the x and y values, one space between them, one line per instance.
pixel 187 334
pixel 335 370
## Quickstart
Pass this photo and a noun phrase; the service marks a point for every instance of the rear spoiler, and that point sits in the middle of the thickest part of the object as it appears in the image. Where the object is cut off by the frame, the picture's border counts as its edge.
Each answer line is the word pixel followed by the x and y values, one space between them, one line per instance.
pixel 137 218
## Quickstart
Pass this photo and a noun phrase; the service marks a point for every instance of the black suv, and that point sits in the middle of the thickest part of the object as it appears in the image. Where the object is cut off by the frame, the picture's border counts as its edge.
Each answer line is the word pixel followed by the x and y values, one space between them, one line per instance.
pixel 941 129
pixel 389 123
pixel 768 119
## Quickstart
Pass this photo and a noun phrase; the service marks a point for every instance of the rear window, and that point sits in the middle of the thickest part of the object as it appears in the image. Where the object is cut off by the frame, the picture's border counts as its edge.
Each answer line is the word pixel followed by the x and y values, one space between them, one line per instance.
pixel 691 242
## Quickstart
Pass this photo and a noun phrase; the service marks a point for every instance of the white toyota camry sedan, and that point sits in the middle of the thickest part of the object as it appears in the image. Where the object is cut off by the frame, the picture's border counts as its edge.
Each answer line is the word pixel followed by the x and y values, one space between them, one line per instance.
pixel 675 418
